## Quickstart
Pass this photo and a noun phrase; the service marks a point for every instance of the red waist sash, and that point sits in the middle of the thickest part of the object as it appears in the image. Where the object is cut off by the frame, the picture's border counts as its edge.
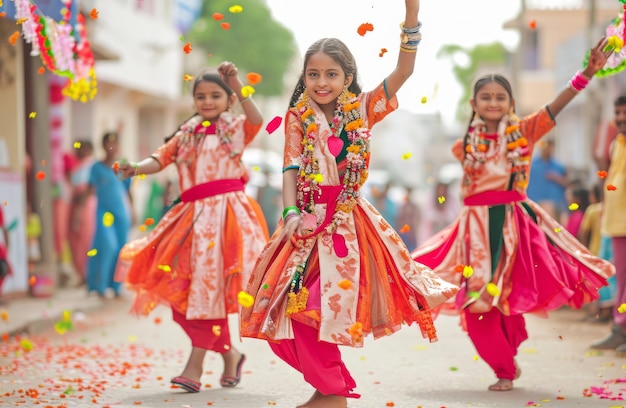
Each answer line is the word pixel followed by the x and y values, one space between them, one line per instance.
pixel 494 198
pixel 212 188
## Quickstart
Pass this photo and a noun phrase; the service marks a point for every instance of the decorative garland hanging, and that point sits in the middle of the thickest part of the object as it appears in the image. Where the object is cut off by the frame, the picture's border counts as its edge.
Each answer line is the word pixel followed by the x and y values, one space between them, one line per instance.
pixel 616 36
pixel 64 49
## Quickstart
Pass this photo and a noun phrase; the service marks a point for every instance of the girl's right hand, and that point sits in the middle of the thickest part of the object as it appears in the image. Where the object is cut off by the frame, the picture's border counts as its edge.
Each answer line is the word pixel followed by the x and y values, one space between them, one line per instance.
pixel 290 225
pixel 123 170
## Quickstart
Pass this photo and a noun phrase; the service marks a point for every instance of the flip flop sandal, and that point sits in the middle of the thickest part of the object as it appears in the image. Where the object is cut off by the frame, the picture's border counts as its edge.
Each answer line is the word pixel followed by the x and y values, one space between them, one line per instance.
pixel 230 382
pixel 186 383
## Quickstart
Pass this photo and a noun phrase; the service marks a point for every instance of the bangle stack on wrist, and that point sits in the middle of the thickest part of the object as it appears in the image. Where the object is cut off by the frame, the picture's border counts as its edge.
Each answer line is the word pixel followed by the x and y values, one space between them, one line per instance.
pixel 289 211
pixel 135 169
pixel 578 82
pixel 410 38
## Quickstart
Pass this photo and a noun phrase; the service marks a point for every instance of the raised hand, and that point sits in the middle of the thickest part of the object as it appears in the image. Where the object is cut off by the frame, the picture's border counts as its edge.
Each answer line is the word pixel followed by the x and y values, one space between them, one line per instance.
pixel 228 72
pixel 598 57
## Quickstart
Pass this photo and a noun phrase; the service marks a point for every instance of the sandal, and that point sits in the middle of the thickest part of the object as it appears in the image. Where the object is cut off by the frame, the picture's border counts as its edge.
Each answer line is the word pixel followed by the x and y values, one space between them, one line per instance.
pixel 230 382
pixel 186 383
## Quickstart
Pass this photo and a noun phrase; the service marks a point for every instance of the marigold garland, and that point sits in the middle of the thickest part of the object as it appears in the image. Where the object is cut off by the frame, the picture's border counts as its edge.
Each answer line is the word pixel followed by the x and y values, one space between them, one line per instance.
pixel 478 148
pixel 347 116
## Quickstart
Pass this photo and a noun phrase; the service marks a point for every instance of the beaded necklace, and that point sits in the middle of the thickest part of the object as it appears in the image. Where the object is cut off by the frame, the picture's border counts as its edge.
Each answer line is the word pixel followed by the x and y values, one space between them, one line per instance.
pixel 478 148
pixel 347 115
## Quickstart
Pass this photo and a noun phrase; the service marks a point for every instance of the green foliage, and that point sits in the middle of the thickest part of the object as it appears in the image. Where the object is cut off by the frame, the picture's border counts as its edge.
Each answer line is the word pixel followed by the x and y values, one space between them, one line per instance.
pixel 482 54
pixel 255 42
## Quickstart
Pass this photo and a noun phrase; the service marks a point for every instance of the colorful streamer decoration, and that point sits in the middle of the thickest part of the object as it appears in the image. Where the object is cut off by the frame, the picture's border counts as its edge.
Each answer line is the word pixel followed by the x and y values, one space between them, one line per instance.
pixel 64 49
pixel 616 36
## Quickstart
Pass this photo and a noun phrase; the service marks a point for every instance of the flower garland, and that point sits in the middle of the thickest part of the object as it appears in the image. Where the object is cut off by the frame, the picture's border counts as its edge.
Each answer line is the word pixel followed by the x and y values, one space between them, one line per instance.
pixel 64 49
pixel 195 129
pixel 348 116
pixel 478 148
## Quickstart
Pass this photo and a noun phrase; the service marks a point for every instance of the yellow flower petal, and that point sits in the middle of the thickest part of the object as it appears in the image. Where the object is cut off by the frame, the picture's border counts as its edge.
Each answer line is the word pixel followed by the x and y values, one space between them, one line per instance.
pixel 247 91
pixel 245 299
pixel 493 289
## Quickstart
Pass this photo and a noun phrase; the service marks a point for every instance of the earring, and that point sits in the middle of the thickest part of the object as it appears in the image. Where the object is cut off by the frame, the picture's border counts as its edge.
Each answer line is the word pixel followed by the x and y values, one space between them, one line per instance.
pixel 345 97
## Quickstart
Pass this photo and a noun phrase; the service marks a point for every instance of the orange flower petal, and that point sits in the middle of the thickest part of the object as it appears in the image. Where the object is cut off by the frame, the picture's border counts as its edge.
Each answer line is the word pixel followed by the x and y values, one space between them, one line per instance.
pixel 364 28
pixel 253 78
pixel 225 26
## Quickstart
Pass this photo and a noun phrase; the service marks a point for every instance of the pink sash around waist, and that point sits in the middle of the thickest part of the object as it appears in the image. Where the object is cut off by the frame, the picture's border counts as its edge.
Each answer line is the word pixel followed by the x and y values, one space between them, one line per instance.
pixel 494 198
pixel 212 188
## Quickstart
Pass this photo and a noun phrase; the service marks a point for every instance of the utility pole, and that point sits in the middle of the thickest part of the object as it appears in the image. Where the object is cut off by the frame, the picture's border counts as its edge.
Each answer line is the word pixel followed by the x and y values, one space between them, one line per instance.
pixel 517 55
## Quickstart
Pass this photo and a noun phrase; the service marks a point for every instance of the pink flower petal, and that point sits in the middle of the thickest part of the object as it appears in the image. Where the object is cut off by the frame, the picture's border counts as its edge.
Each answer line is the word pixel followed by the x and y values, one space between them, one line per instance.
pixel 335 145
pixel 339 243
pixel 273 124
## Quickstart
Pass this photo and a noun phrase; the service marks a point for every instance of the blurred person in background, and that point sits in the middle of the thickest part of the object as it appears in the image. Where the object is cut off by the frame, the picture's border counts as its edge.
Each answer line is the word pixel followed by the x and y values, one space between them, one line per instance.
pixel 548 181
pixel 82 209
pixel 590 235
pixel 441 209
pixel 113 219
pixel 577 197
pixel 613 224
pixel 408 220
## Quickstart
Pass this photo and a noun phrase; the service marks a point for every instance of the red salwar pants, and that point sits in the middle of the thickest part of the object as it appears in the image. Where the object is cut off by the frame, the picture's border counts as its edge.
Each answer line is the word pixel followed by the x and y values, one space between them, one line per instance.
pixel 319 361
pixel 497 338
pixel 205 334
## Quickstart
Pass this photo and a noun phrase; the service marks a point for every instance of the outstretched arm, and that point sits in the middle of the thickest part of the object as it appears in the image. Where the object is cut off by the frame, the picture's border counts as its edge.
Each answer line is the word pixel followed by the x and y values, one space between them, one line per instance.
pixel 597 58
pixel 406 59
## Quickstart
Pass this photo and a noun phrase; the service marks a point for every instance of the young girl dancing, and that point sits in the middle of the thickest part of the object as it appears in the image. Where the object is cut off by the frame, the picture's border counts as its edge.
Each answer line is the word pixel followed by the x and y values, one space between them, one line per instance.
pixel 204 247
pixel 507 254
pixel 335 270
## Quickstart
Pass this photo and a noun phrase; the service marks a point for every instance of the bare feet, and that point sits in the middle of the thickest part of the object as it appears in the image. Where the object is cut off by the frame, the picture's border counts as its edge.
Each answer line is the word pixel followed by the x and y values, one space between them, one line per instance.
pixel 318 400
pixel 502 385
pixel 518 371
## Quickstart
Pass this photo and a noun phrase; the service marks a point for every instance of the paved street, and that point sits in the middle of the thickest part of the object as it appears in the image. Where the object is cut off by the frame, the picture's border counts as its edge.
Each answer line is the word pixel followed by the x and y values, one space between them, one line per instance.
pixel 111 359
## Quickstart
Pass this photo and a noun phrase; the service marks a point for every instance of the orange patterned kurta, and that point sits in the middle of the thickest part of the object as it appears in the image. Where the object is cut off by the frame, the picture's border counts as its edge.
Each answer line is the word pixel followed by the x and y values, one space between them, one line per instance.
pixel 197 257
pixel 375 288
pixel 540 266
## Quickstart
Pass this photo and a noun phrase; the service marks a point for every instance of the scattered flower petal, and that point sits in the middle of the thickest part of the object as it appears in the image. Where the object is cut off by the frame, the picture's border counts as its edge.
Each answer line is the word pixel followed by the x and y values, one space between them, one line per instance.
pixel 235 9
pixel 254 78
pixel 187 48
pixel 493 289
pixel 93 14
pixel 247 91
pixel 274 124
pixel 245 299
pixel 364 28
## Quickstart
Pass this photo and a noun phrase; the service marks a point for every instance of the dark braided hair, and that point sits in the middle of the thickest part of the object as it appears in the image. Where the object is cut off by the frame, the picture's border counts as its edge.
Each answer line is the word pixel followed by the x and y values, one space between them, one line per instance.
pixel 204 76
pixel 340 53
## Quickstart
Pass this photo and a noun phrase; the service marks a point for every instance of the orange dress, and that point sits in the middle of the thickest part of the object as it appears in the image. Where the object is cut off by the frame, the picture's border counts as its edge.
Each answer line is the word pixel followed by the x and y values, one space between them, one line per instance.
pixel 371 286
pixel 504 250
pixel 201 251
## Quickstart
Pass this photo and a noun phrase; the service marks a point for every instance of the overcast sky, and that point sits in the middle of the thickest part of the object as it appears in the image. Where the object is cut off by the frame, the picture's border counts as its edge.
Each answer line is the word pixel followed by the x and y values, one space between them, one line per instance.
pixel 466 23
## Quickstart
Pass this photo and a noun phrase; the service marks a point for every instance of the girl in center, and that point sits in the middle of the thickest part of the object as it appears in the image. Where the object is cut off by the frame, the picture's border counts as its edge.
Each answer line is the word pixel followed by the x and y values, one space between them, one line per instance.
pixel 335 270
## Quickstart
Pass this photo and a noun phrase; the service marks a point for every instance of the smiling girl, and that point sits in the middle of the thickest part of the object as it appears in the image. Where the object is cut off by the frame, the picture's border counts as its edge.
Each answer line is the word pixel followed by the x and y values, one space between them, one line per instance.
pixel 204 247
pixel 507 254
pixel 335 270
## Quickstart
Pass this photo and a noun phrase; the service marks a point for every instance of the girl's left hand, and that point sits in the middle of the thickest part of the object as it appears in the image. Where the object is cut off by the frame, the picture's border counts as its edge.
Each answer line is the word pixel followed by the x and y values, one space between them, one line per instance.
pixel 598 57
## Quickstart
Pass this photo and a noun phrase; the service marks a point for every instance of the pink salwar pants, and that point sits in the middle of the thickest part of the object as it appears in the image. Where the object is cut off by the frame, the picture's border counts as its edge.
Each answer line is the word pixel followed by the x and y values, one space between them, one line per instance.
pixel 497 338
pixel 319 361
